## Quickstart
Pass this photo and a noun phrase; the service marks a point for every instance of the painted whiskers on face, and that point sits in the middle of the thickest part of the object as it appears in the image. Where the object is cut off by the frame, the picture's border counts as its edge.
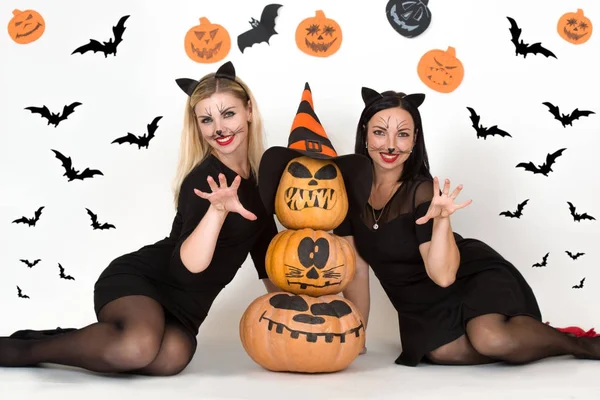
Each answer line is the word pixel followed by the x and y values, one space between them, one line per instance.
pixel 385 148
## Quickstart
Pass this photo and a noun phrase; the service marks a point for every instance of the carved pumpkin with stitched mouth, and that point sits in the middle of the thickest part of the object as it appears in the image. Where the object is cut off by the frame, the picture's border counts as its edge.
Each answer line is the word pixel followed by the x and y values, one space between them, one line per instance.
pixel 311 193
pixel 298 333
pixel 207 42
pixel 26 26
pixel 311 262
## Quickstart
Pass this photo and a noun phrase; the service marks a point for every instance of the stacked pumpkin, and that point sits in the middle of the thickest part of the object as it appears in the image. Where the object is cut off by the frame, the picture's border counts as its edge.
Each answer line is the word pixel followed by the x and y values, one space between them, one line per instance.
pixel 307 326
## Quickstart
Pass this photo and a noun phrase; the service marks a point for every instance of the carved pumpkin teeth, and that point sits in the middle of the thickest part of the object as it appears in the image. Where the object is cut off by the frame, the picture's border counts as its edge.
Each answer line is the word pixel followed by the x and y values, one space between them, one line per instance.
pixel 298 199
pixel 311 337
pixel 319 47
pixel 206 53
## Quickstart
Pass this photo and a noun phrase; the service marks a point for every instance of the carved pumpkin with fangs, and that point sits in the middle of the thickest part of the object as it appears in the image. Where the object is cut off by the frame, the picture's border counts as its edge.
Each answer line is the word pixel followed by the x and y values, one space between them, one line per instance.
pixel 299 333
pixel 311 193
pixel 311 262
pixel 441 70
pixel 207 42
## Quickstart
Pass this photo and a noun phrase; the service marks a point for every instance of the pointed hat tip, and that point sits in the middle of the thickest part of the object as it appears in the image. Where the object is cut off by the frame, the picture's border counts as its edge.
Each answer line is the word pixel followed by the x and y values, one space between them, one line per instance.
pixel 306 86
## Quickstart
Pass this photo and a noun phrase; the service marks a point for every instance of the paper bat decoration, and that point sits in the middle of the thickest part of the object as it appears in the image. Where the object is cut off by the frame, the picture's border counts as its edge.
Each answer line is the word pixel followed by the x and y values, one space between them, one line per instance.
pixel 72 173
pixel 109 47
pixel 29 263
pixel 574 256
pixel 30 221
pixel 523 48
pixel 516 214
pixel 261 30
pixel 54 118
pixel 62 274
pixel 485 132
pixel 578 217
pixel 545 168
pixel 95 223
pixel 580 284
pixel 20 293
pixel 566 119
pixel 543 263
pixel 141 141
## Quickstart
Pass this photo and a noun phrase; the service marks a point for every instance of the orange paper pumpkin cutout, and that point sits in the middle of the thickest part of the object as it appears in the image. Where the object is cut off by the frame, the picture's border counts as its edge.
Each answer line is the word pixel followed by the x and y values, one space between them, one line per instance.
pixel 207 43
pixel 440 70
pixel 319 36
pixel 26 26
pixel 574 27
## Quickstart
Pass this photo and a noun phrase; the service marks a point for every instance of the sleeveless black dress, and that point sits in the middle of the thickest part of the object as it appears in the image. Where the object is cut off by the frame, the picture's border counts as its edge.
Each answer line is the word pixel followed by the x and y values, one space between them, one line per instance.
pixel 156 270
pixel 430 315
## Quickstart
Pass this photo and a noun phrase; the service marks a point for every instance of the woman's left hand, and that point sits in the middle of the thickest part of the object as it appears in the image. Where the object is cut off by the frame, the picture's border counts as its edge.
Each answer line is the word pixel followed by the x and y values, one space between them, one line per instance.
pixel 442 205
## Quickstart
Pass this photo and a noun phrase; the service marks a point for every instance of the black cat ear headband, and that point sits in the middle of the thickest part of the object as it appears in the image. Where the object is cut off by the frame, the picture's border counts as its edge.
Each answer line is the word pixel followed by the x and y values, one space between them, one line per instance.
pixel 226 71
pixel 370 96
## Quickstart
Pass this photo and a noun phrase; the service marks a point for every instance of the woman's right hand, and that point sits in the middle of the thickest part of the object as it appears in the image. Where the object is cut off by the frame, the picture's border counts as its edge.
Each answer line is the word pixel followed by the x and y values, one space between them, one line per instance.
pixel 224 198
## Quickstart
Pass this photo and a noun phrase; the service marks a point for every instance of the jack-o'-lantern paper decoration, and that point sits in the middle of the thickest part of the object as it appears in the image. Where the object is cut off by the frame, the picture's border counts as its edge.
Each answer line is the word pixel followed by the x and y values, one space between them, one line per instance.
pixel 311 262
pixel 307 184
pixel 409 18
pixel 285 332
pixel 575 27
pixel 207 43
pixel 26 26
pixel 441 70
pixel 319 36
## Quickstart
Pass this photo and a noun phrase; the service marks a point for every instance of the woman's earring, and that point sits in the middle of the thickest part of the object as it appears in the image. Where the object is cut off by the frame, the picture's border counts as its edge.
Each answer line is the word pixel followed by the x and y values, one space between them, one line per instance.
pixel 366 145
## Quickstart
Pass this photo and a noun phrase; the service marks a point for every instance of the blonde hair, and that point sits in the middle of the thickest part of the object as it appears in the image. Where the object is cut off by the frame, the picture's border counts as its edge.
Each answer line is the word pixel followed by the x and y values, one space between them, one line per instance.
pixel 193 149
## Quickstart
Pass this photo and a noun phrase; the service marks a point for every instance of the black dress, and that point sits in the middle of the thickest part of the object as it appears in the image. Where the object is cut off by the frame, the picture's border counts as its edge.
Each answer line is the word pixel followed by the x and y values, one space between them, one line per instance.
pixel 430 315
pixel 156 270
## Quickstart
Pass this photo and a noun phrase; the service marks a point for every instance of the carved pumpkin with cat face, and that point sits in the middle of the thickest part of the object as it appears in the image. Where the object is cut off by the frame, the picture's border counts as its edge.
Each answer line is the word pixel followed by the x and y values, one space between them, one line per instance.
pixel 311 194
pixel 311 262
pixel 298 333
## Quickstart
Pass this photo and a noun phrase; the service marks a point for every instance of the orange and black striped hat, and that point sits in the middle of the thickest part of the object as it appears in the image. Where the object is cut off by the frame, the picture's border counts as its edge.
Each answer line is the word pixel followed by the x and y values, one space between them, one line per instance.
pixel 308 138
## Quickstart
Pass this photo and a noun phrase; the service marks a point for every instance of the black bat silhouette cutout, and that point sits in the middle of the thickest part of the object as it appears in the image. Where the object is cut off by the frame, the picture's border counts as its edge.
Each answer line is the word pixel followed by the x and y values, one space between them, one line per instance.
pixel 543 263
pixel 483 132
pixel 523 48
pixel 141 141
pixel 30 221
pixel 566 119
pixel 516 214
pixel 109 47
pixel 580 284
pixel 95 223
pixel 574 256
pixel 261 30
pixel 20 293
pixel 62 274
pixel 29 263
pixel 72 173
pixel 578 217
pixel 54 118
pixel 545 168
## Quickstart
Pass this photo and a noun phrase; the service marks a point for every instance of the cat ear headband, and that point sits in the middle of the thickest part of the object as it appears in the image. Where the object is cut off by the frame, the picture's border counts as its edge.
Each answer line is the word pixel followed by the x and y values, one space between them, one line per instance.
pixel 226 71
pixel 370 96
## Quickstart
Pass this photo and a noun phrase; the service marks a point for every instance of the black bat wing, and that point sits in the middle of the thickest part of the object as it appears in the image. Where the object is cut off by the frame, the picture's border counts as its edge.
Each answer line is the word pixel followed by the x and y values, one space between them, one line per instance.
pixel 43 111
pixel 119 29
pixel 68 110
pixel 579 113
pixel 521 206
pixel 570 254
pixel 66 161
pixel 571 208
pixel 268 16
pixel 537 48
pixel 584 216
pixel 262 32
pixel 508 214
pixel 528 166
pixel 107 226
pixel 22 220
pixel 152 127
pixel 474 118
pixel 554 110
pixel 129 138
pixel 93 45
pixel 495 131
pixel 89 173
pixel 515 32
pixel 93 216
pixel 551 158
pixel 38 213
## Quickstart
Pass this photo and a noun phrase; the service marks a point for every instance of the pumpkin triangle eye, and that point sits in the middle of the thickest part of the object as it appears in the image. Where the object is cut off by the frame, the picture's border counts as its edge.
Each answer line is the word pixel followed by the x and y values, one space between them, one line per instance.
pixel 326 172
pixel 213 33
pixel 199 34
pixel 299 171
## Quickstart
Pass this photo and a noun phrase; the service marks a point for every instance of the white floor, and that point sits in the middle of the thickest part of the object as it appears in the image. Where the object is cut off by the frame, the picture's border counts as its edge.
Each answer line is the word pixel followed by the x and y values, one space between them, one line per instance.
pixel 224 371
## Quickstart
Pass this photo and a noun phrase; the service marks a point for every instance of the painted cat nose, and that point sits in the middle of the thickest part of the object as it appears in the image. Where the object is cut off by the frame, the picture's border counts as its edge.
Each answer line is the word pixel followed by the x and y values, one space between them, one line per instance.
pixel 219 132
pixel 390 150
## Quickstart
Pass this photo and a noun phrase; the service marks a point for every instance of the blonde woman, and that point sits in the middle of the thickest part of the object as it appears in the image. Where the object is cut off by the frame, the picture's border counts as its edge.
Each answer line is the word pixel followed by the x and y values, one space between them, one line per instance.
pixel 150 303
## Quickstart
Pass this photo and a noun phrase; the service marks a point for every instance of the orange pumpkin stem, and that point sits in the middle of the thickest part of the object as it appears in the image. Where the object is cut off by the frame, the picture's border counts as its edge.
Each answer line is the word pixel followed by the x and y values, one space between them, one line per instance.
pixel 204 21
pixel 16 12
pixel 319 14
pixel 451 51
pixel 579 12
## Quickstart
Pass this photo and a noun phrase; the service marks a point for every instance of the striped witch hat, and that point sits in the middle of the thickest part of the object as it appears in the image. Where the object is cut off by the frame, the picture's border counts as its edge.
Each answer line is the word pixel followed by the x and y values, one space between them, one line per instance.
pixel 308 138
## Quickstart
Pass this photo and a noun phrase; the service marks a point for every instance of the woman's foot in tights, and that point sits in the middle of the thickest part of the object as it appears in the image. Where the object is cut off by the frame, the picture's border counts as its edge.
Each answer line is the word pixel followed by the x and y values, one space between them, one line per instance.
pixel 591 348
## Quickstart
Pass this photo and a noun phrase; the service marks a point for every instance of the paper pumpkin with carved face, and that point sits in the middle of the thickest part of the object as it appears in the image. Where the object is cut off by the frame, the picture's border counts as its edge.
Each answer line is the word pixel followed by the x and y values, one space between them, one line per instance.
pixel 26 26
pixel 441 70
pixel 311 262
pixel 284 332
pixel 575 27
pixel 319 36
pixel 207 43
pixel 409 18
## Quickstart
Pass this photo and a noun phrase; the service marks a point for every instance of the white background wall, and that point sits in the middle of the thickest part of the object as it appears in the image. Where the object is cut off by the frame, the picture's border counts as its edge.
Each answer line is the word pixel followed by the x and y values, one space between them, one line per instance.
pixel 124 93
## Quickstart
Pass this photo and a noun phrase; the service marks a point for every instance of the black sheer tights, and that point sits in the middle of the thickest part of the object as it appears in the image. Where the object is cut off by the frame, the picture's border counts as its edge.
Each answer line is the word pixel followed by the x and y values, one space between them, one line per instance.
pixel 131 336
pixel 516 340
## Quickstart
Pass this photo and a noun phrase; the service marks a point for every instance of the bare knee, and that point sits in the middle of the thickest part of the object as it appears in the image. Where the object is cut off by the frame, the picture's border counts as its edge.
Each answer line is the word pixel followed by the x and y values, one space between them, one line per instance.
pixel 133 348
